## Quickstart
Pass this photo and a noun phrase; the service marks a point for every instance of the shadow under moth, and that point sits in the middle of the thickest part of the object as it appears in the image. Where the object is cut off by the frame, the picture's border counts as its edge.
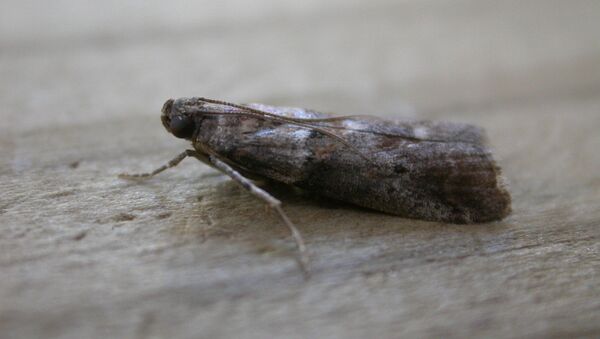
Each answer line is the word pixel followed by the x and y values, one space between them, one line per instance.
pixel 438 171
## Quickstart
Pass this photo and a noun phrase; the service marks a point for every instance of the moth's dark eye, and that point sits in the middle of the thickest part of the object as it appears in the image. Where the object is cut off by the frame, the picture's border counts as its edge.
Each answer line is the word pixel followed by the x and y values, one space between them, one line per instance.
pixel 182 126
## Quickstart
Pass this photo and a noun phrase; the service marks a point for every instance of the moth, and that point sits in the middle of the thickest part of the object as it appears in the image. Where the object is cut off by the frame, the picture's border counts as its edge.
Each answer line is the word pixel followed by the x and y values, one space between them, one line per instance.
pixel 438 171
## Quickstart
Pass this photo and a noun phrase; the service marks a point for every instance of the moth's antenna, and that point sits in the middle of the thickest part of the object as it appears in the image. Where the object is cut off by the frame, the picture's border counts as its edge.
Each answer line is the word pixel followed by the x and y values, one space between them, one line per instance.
pixel 257 111
pixel 293 121
pixel 304 122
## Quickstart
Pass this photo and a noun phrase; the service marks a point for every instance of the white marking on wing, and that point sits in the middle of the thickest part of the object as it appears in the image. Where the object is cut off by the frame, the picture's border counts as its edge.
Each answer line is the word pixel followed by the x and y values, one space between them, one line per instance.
pixel 421 132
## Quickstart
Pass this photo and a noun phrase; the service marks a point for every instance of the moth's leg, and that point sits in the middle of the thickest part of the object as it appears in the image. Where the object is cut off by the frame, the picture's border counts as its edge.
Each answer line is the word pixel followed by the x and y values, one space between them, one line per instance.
pixel 174 162
pixel 271 202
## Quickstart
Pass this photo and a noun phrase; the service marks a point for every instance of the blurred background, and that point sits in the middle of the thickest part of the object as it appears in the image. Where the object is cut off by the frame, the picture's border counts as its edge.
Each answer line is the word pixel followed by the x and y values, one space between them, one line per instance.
pixel 115 58
pixel 83 254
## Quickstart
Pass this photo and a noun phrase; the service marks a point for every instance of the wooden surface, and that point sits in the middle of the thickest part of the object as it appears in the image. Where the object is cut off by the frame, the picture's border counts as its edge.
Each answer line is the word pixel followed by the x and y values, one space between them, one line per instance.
pixel 189 254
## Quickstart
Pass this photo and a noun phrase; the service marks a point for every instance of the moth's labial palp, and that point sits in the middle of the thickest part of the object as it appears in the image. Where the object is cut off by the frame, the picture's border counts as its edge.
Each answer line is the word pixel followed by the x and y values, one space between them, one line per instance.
pixel 166 109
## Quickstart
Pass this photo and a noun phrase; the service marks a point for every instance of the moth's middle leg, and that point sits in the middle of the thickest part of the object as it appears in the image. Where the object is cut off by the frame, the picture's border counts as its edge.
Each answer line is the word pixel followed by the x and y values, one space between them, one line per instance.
pixel 271 202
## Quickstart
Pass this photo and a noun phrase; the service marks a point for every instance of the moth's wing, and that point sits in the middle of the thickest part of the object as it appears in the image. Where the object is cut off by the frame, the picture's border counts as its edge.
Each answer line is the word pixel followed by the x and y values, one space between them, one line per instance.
pixel 449 163
pixel 464 176
pixel 422 130
pixel 446 162
pixel 409 129
pixel 290 112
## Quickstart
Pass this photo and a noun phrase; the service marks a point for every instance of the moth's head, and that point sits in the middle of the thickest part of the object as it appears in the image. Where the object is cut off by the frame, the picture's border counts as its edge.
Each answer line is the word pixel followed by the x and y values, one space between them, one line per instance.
pixel 177 119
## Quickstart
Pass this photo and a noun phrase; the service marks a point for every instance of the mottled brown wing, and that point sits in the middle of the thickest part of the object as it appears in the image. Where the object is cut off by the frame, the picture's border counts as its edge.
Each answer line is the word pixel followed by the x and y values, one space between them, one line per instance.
pixel 428 170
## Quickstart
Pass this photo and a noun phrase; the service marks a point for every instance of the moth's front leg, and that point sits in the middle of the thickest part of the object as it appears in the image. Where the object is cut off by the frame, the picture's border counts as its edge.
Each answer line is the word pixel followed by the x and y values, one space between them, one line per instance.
pixel 271 202
pixel 174 162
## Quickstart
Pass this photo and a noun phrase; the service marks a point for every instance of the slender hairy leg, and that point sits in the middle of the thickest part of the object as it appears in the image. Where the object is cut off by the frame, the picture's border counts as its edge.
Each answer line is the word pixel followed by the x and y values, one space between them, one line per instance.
pixel 245 183
pixel 271 202
pixel 174 162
